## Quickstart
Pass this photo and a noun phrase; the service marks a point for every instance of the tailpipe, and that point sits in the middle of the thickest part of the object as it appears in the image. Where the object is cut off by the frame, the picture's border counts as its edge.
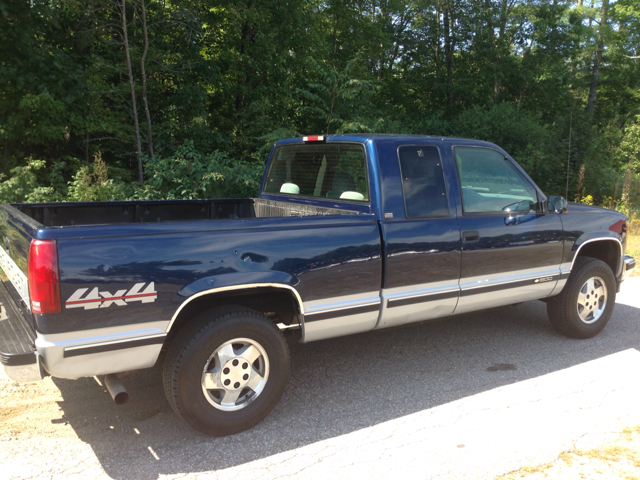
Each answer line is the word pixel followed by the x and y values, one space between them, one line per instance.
pixel 116 389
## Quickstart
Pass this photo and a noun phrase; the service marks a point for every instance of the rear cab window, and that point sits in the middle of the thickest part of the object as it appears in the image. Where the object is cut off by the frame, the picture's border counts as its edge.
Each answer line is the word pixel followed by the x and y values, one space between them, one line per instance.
pixel 326 171
pixel 490 183
pixel 423 185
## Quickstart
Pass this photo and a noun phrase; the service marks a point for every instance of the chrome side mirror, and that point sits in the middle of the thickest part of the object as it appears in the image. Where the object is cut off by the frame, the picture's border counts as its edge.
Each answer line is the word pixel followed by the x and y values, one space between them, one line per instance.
pixel 557 204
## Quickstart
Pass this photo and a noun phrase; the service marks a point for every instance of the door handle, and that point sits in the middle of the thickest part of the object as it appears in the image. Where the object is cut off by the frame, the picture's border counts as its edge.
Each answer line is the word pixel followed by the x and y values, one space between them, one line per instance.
pixel 470 235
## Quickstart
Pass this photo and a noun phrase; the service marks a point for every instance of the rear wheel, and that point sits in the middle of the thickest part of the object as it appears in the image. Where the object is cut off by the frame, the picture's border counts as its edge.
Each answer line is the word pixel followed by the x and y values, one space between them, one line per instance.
pixel 585 305
pixel 224 374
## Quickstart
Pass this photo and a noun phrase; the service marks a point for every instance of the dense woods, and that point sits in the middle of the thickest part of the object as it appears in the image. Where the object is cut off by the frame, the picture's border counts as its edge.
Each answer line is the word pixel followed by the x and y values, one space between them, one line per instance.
pixel 104 99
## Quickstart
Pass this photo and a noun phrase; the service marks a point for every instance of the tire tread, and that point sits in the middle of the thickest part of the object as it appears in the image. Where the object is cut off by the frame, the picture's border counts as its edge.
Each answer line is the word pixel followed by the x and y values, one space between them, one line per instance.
pixel 559 307
pixel 190 335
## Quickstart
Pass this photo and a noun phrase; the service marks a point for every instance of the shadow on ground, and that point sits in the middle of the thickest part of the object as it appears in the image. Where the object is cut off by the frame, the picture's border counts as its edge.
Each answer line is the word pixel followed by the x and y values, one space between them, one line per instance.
pixel 339 386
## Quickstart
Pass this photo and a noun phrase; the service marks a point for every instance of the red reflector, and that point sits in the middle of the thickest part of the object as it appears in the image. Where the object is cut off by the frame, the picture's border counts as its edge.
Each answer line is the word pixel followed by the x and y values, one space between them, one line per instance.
pixel 44 285
pixel 317 138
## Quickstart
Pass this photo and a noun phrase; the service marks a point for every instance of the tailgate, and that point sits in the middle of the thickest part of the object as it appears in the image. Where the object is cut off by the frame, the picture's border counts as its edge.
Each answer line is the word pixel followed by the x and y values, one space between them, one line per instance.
pixel 17 336
pixel 16 233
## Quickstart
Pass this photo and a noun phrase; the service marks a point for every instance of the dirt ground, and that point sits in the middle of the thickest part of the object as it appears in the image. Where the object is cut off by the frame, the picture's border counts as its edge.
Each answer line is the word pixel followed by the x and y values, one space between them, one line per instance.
pixel 29 410
pixel 30 413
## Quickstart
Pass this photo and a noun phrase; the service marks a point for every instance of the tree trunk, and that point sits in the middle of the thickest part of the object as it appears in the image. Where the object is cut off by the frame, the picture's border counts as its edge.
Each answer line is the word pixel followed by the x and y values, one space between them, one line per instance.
pixel 333 101
pixel 335 32
pixel 6 154
pixel 248 37
pixel 144 79
pixel 448 53
pixel 133 91
pixel 593 89
pixel 436 59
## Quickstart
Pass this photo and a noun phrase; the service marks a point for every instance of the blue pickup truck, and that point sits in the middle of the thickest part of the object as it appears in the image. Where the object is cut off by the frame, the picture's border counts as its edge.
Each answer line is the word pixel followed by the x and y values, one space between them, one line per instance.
pixel 350 233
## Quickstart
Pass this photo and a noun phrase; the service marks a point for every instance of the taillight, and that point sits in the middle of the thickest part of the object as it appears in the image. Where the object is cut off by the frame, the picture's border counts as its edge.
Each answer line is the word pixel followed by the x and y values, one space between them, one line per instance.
pixel 44 287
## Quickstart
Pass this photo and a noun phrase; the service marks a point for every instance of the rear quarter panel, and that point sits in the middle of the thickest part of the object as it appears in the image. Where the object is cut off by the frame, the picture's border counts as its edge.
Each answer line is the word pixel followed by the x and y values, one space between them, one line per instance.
pixel 320 257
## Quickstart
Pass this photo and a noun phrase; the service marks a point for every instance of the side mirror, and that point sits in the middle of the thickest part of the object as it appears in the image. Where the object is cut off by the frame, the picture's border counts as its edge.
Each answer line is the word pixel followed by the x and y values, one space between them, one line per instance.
pixel 557 204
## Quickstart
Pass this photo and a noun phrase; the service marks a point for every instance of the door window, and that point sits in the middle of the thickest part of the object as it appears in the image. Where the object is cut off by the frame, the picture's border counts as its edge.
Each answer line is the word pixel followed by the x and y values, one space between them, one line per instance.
pixel 423 182
pixel 491 183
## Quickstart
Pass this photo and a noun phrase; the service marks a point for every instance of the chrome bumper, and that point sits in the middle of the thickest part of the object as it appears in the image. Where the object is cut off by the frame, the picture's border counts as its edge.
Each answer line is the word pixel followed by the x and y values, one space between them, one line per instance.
pixel 32 372
pixel 18 354
pixel 629 264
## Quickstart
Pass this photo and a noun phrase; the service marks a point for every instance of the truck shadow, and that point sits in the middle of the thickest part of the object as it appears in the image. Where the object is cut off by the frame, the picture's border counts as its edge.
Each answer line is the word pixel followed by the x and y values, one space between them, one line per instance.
pixel 339 386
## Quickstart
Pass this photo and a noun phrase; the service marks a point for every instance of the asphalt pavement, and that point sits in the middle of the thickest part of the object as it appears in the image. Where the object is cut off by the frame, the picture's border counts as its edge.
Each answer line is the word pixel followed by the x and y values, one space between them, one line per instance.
pixel 473 396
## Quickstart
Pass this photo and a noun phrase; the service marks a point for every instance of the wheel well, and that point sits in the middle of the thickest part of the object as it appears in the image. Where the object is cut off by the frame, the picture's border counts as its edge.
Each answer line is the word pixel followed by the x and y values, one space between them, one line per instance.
pixel 276 303
pixel 607 251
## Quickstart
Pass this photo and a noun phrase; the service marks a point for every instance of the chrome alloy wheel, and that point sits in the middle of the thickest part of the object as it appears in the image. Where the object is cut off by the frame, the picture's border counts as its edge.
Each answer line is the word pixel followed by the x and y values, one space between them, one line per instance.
pixel 235 374
pixel 592 300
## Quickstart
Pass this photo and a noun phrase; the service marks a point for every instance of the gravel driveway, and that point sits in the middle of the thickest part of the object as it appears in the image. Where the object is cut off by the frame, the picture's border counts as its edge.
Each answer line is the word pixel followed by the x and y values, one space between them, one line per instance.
pixel 472 396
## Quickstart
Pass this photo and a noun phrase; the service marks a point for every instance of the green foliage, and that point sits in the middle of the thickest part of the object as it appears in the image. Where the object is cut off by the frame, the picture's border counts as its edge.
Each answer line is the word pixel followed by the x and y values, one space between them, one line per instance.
pixel 191 174
pixel 22 183
pixel 232 77
pixel 93 184
pixel 628 151
pixel 333 87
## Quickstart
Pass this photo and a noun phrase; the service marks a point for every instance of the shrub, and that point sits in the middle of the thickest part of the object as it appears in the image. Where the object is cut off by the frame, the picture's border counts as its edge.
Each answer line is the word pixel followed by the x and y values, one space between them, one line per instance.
pixel 94 184
pixel 191 174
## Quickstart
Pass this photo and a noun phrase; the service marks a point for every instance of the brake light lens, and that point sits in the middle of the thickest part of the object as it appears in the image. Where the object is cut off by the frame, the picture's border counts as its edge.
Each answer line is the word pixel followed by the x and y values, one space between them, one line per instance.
pixel 315 138
pixel 44 285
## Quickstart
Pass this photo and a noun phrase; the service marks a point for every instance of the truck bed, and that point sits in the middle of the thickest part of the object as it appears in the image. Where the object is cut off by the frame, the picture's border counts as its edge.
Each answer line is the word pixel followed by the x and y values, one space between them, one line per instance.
pixel 154 211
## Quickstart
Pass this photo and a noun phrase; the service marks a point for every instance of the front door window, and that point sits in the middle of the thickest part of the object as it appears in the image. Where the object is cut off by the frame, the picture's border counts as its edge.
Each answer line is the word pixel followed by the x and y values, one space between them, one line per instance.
pixel 491 183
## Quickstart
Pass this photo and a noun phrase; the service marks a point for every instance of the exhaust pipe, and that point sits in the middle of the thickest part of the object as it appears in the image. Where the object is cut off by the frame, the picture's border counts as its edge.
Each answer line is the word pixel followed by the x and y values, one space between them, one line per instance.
pixel 116 389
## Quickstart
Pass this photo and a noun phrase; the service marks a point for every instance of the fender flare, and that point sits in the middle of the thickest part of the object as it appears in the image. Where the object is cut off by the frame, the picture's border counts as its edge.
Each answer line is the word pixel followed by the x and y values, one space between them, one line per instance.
pixel 233 288
pixel 599 239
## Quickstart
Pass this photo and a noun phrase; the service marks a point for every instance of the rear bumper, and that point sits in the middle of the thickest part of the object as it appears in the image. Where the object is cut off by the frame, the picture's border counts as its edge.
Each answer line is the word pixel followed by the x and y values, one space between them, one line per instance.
pixel 18 353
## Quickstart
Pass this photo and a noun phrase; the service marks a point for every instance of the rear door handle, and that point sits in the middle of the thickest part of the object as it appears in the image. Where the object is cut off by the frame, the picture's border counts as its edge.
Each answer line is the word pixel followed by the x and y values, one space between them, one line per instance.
pixel 470 235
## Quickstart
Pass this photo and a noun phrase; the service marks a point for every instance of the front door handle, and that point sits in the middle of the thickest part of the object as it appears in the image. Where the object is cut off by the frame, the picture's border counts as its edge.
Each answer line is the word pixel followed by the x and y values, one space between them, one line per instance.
pixel 470 236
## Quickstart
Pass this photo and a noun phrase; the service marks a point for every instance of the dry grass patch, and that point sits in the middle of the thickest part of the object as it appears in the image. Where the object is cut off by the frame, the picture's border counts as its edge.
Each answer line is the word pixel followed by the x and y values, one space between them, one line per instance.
pixel 621 460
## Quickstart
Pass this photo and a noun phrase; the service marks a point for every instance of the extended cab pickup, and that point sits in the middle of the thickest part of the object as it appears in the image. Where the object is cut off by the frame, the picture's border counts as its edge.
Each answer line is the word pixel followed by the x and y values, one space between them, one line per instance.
pixel 350 233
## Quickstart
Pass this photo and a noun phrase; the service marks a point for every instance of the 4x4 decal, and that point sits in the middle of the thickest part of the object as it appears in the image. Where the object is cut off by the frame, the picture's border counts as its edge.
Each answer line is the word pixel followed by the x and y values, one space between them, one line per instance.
pixel 97 299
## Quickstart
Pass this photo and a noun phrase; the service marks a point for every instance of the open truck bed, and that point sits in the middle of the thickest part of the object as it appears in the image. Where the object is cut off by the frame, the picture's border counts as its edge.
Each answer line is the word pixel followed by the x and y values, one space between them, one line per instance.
pixel 154 211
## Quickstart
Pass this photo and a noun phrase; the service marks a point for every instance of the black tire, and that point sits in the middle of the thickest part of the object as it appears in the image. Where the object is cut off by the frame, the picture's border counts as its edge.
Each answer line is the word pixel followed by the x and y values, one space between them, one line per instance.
pixel 584 315
pixel 203 347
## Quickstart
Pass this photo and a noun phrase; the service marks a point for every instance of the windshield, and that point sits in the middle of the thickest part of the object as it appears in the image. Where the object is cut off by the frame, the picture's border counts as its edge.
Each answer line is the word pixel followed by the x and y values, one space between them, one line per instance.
pixel 320 170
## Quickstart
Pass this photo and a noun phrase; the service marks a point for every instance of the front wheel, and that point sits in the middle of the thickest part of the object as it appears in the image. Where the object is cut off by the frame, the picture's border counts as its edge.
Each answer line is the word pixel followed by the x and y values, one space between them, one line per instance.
pixel 224 374
pixel 584 306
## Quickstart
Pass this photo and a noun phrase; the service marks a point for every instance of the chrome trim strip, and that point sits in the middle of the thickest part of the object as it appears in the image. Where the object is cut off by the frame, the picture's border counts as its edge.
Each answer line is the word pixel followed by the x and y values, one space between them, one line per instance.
pixel 420 289
pixel 231 289
pixel 16 276
pixel 113 342
pixel 345 307
pixel 575 255
pixel 495 287
pixel 342 313
pixel 497 284
pixel 398 298
pixel 428 298
pixel 339 326
pixel 513 278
